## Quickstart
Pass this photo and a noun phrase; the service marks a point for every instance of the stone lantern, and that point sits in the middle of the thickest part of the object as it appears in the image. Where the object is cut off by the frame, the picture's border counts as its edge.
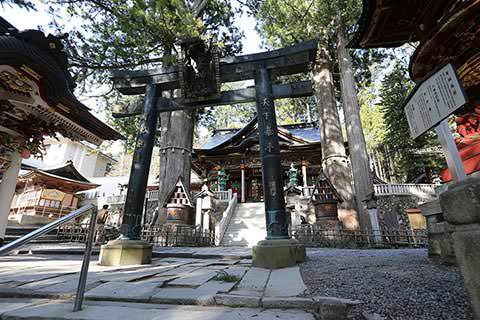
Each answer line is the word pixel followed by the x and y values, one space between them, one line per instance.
pixel 325 199
pixel 179 206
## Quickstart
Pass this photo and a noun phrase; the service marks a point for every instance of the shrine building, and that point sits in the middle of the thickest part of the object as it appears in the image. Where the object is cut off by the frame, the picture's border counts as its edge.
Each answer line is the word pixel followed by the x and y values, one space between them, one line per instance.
pixel 230 158
pixel 43 195
pixel 37 102
pixel 447 32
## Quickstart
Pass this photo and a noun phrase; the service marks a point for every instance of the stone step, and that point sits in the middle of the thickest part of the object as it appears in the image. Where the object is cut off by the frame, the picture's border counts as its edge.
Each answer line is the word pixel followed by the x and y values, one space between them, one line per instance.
pixel 99 310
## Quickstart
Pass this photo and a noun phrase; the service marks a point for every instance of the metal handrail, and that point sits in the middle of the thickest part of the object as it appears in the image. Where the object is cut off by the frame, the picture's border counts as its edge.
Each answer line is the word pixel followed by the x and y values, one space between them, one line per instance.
pixel 45 229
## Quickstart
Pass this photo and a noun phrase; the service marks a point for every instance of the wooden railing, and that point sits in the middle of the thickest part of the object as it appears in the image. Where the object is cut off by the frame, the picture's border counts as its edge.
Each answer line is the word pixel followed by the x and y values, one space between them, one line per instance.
pixel 226 218
pixel 420 190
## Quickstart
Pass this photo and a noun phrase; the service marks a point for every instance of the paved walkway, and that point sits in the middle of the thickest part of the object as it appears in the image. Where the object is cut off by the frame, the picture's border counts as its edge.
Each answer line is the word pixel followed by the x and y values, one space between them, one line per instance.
pixel 184 252
pixel 44 309
pixel 215 288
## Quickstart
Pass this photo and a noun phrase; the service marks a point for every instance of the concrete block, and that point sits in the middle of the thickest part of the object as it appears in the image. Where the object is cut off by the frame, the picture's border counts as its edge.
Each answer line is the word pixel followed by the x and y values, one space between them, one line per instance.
pixel 195 278
pixel 253 283
pixel 332 300
pixel 288 303
pixel 461 208
pixel 274 254
pixel 430 208
pixel 461 202
pixel 125 291
pixel 231 300
pixel 467 248
pixel 285 282
pixel 333 311
pixel 184 296
pixel 125 252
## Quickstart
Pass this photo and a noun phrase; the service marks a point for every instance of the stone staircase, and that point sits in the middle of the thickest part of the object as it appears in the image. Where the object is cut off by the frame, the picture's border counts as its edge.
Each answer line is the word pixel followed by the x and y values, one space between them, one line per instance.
pixel 14 232
pixel 247 226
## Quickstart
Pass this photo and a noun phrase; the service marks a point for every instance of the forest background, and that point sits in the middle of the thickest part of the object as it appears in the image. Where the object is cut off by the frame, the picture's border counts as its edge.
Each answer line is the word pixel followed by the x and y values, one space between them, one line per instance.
pixel 113 34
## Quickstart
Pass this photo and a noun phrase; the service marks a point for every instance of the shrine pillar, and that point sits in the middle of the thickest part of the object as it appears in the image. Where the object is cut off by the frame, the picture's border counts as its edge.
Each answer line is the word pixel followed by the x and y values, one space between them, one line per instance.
pixel 128 249
pixel 198 212
pixel 7 191
pixel 206 221
pixel 242 172
pixel 278 250
pixel 304 174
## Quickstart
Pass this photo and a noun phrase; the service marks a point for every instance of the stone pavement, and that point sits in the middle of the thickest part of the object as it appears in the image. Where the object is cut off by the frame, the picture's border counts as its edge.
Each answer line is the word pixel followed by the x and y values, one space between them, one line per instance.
pixel 214 285
pixel 44 309
pixel 185 252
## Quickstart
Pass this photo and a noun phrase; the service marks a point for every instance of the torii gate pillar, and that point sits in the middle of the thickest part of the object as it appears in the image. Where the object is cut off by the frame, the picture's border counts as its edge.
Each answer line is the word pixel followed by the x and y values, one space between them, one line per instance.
pixel 129 249
pixel 278 250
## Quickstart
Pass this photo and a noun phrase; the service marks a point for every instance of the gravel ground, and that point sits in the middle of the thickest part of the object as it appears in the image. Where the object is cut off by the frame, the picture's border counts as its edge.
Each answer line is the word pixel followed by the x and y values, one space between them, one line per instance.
pixel 398 284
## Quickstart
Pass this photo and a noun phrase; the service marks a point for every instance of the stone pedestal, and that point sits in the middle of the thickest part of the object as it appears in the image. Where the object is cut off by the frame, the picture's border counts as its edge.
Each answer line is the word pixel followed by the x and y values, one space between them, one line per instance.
pixel 461 209
pixel 274 254
pixel 125 252
pixel 440 242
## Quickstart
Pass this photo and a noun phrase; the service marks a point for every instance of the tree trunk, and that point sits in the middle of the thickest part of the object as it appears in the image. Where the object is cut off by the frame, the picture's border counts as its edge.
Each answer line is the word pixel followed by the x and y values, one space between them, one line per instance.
pixel 176 139
pixel 335 161
pixel 356 140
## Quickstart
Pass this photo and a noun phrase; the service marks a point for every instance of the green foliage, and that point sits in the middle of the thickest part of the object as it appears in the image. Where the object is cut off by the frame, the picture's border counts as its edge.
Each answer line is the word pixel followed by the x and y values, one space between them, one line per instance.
pixel 372 118
pixel 137 34
pixel 282 23
pixel 25 4
pixel 411 158
pixel 117 34
pixel 226 277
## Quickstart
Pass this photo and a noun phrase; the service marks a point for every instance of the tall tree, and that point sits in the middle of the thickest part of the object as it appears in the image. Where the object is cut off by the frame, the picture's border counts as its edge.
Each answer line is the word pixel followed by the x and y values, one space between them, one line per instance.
pixel 411 158
pixel 362 176
pixel 284 22
pixel 139 34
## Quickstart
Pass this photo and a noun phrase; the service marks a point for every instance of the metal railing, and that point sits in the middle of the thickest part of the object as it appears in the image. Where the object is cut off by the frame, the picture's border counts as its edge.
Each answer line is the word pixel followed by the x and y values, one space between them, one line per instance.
pixel 180 236
pixel 45 229
pixel 52 226
pixel 318 236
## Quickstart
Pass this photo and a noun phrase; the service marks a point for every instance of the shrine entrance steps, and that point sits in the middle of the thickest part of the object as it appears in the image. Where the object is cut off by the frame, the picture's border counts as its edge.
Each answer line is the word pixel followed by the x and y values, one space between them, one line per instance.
pixel 247 226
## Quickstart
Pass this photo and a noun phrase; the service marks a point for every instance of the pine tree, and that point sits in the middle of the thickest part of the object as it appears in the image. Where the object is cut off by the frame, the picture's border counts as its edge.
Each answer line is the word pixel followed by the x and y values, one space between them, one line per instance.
pixel 410 158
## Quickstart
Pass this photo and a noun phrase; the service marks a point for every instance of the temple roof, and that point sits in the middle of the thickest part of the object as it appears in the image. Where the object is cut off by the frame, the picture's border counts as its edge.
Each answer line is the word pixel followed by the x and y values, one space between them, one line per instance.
pixel 393 23
pixel 66 170
pixel 41 63
pixel 297 134
pixel 64 178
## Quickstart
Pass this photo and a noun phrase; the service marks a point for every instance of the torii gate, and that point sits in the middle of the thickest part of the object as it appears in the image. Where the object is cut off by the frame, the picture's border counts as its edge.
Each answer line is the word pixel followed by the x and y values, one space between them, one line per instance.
pixel 189 77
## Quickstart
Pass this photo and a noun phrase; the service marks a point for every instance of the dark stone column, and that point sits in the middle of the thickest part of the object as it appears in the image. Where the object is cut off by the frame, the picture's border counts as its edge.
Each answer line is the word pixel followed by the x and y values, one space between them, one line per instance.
pixel 137 184
pixel 272 175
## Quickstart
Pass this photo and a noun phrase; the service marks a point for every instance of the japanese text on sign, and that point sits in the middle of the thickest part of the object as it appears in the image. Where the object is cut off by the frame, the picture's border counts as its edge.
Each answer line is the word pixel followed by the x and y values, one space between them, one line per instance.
pixel 434 100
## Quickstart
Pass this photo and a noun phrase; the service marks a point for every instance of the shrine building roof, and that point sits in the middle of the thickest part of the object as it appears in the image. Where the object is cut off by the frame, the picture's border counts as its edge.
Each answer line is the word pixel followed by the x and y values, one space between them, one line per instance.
pixel 447 32
pixel 301 133
pixel 34 79
pixel 394 23
pixel 65 178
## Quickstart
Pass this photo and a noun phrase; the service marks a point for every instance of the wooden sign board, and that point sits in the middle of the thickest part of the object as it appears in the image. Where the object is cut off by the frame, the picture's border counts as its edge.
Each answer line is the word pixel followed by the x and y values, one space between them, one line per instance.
pixel 433 100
